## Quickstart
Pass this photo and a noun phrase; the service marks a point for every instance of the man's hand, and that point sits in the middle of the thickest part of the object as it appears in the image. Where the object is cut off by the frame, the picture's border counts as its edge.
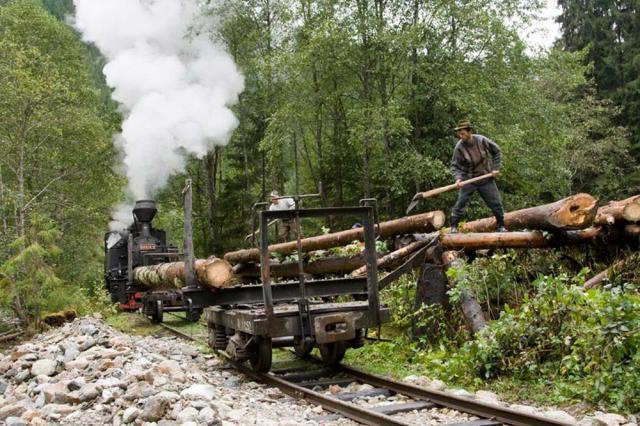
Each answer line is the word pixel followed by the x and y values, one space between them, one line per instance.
pixel 458 183
pixel 495 173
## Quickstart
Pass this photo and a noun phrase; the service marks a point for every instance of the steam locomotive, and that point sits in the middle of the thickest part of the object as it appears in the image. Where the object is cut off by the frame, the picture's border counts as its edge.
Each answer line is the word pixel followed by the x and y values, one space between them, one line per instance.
pixel 139 245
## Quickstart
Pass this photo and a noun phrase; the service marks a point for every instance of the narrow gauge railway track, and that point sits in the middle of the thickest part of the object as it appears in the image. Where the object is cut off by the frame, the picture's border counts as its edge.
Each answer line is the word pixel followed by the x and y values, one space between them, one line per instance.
pixel 303 381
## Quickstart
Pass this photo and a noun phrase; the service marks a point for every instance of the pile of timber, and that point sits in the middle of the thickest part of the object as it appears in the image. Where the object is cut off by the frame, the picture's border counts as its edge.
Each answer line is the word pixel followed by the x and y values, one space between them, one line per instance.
pixel 570 221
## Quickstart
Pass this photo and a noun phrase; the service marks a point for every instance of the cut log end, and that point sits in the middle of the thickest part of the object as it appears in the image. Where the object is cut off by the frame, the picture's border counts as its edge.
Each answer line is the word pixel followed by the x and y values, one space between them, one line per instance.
pixel 215 272
pixel 578 212
pixel 631 212
pixel 438 219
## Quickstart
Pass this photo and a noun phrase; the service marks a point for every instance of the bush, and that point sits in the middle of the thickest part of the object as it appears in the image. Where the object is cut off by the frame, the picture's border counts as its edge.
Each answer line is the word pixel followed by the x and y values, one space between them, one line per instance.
pixel 30 286
pixel 588 340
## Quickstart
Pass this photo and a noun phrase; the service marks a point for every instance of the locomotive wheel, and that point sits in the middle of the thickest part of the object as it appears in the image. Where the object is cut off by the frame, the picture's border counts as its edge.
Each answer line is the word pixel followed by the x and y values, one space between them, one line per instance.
pixel 332 353
pixel 261 358
pixel 156 317
pixel 302 348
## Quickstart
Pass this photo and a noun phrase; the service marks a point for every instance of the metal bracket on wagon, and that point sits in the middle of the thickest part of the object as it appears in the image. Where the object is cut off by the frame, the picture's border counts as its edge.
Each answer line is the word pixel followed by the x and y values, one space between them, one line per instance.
pixel 335 327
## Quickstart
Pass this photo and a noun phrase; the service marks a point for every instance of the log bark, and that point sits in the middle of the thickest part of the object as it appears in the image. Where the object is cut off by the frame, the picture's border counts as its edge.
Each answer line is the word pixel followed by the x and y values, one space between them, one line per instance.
pixel 425 222
pixel 614 212
pixel 597 279
pixel 431 290
pixel 212 272
pixel 323 266
pixel 392 258
pixel 523 239
pixel 575 212
pixel 472 241
pixel 471 308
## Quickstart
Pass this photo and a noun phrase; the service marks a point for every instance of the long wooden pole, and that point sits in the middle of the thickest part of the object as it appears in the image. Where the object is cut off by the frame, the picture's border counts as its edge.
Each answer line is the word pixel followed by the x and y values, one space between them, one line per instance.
pixel 425 222
pixel 574 212
pixel 523 239
pixel 438 191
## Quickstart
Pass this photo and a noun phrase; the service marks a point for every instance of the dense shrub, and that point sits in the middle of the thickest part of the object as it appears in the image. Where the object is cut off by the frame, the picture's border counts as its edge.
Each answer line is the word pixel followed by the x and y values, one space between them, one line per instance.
pixel 589 340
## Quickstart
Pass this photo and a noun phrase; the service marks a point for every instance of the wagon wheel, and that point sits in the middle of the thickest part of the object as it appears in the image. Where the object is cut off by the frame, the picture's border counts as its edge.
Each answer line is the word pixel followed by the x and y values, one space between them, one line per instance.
pixel 332 353
pixel 261 358
pixel 301 347
pixel 194 315
pixel 156 316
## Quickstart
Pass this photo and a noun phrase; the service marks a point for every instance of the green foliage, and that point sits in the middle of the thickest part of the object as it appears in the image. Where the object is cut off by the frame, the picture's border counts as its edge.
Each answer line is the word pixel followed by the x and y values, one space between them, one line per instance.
pixel 505 277
pixel 30 286
pixel 400 295
pixel 28 280
pixel 56 161
pixel 361 97
pixel 607 31
pixel 590 341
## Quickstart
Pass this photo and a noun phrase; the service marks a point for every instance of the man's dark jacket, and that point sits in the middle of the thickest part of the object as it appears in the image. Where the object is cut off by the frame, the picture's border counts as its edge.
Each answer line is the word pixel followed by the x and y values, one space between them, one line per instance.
pixel 479 156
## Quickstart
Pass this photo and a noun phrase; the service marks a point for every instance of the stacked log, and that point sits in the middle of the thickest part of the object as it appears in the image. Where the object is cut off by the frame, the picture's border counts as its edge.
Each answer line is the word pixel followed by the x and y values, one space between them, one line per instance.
pixel 323 266
pixel 212 272
pixel 522 239
pixel 574 212
pixel 619 211
pixel 425 222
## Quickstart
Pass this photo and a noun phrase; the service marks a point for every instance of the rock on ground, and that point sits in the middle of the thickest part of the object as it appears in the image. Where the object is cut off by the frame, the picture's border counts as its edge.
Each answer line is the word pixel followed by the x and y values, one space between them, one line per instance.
pixel 88 373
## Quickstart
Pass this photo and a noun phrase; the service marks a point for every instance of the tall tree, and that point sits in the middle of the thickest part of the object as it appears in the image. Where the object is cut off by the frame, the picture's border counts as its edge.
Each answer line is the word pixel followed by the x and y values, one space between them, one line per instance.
pixel 55 148
pixel 610 31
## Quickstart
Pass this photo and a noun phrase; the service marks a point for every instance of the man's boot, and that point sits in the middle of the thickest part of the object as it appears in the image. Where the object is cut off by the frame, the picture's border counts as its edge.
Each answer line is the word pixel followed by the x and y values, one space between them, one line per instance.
pixel 454 227
pixel 500 227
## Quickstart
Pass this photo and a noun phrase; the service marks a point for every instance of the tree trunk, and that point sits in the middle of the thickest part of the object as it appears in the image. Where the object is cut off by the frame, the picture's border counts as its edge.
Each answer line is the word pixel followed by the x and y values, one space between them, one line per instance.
pixel 575 212
pixel 419 223
pixel 615 211
pixel 5 229
pixel 597 279
pixel 528 239
pixel 393 257
pixel 631 212
pixel 431 290
pixel 323 266
pixel 471 308
pixel 213 273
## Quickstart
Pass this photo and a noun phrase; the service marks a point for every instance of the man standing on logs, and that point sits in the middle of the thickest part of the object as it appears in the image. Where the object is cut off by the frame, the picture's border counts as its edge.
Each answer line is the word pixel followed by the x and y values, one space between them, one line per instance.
pixel 284 225
pixel 475 155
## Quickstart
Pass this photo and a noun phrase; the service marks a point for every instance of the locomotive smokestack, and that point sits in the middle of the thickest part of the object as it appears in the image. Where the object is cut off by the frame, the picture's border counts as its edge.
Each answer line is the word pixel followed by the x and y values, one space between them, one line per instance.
pixel 144 212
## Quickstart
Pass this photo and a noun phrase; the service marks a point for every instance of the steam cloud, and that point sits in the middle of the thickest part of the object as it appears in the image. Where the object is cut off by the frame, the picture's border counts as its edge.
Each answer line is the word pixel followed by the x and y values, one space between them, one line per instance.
pixel 175 85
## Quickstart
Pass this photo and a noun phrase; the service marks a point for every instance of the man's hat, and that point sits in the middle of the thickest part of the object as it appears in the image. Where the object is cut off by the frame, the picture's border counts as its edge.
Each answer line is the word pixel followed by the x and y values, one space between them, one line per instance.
pixel 464 124
pixel 274 194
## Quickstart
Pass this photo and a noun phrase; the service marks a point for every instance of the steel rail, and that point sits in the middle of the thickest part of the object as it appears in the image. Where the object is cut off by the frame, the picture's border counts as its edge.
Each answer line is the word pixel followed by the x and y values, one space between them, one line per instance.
pixel 481 409
pixel 178 332
pixel 466 405
pixel 354 412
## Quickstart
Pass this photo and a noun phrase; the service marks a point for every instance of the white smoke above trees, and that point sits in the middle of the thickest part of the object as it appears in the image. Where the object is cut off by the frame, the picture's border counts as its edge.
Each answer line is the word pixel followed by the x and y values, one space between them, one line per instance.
pixel 174 83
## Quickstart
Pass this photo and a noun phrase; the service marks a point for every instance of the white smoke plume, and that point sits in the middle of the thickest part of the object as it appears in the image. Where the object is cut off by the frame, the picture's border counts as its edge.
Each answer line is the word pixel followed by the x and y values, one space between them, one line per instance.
pixel 175 85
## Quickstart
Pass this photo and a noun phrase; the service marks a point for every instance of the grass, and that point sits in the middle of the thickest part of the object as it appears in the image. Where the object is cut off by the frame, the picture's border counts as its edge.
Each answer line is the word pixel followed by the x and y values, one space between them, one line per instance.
pixel 399 360
pixel 132 323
